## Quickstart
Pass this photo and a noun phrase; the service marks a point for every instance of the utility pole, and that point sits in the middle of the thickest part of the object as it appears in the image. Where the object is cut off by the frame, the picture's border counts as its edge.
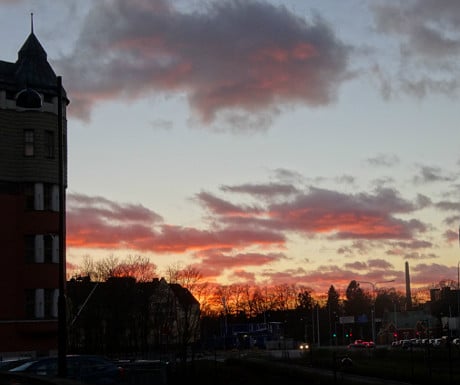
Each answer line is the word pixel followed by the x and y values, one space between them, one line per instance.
pixel 62 305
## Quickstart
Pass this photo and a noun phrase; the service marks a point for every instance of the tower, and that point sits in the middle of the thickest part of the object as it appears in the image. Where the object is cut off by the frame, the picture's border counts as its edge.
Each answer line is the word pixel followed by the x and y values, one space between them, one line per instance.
pixel 33 177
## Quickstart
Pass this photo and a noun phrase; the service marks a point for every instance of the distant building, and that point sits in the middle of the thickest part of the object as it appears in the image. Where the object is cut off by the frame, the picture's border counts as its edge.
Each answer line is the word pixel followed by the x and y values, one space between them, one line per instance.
pixel 124 316
pixel 29 202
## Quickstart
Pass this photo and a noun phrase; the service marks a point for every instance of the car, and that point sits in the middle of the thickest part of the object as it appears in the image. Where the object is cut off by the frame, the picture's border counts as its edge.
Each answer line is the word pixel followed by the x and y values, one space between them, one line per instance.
pixel 304 346
pixel 361 344
pixel 8 364
pixel 90 369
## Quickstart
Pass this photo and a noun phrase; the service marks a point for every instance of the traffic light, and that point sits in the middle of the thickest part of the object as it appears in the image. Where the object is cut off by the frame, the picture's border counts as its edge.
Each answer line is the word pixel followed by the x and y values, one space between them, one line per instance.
pixel 334 335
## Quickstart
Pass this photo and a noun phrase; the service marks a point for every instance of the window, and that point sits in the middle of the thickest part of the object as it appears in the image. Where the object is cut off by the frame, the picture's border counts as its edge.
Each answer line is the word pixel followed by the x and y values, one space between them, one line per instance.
pixel 39 196
pixel 41 248
pixel 29 192
pixel 49 144
pixel 51 248
pixel 51 303
pixel 30 303
pixel 29 140
pixel 51 197
pixel 41 303
pixel 47 196
pixel 29 248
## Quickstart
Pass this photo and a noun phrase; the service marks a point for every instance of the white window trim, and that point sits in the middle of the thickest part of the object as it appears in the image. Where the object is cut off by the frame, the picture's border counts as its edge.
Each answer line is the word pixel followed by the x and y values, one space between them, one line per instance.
pixel 39 196
pixel 39 303
pixel 39 256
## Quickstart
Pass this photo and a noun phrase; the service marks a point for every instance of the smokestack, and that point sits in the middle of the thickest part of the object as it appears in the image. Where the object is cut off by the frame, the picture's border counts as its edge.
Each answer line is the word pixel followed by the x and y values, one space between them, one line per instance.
pixel 408 293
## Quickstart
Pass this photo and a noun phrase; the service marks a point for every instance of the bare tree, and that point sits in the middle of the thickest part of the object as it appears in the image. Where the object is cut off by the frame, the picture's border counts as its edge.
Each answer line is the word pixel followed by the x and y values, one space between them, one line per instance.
pixel 137 267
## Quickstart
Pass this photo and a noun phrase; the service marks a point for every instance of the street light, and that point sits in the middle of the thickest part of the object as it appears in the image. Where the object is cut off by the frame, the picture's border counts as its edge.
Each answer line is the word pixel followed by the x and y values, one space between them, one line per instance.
pixel 374 284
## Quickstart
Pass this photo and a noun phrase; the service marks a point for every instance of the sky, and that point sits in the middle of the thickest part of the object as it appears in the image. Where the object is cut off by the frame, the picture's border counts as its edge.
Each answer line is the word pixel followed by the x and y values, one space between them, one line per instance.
pixel 261 142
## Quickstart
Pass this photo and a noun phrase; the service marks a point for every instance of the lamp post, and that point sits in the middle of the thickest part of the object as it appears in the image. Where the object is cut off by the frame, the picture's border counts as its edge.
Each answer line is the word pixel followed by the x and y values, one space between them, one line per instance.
pixel 374 284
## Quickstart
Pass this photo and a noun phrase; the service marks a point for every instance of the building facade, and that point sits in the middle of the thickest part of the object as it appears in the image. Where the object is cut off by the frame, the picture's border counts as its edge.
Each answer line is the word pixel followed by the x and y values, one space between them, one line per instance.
pixel 32 169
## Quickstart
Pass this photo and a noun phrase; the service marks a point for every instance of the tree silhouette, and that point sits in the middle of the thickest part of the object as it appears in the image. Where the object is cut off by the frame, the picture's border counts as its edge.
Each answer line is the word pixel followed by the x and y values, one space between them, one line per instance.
pixel 357 301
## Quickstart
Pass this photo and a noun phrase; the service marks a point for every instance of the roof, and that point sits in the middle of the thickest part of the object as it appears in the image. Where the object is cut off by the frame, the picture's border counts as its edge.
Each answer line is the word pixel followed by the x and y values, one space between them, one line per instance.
pixel 184 295
pixel 31 70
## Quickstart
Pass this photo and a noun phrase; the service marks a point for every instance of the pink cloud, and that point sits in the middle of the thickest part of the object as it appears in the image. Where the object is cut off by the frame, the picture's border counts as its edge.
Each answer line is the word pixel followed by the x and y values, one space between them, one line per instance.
pixel 95 222
pixel 245 55
pixel 320 211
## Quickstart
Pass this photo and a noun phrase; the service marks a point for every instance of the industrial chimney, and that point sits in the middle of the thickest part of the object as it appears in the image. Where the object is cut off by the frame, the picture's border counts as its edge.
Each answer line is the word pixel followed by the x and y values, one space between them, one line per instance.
pixel 408 293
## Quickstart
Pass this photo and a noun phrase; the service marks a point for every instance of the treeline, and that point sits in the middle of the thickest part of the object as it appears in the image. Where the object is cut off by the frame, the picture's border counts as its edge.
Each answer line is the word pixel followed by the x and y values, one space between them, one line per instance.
pixel 304 315
pixel 294 305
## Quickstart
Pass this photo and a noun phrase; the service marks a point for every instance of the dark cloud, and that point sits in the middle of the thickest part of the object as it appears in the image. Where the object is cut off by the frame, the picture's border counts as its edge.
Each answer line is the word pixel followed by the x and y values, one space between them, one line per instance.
pixel 262 190
pixel 452 236
pixel 413 244
pixel 379 264
pixel 432 174
pixel 420 256
pixel 429 36
pixel 432 273
pixel 356 265
pixel 248 56
pixel 384 160
pixel 449 206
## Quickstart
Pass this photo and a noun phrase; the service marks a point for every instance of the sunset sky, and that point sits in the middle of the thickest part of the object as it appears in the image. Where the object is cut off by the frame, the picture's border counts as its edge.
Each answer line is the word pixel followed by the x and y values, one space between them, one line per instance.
pixel 262 142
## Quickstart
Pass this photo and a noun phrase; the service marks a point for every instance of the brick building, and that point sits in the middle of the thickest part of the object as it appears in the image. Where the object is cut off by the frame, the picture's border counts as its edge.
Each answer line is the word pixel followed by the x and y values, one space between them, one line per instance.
pixel 31 244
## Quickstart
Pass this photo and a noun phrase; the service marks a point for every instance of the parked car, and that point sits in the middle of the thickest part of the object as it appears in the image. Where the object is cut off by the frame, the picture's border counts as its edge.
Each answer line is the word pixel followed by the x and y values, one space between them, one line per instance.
pixel 361 344
pixel 8 364
pixel 151 372
pixel 89 369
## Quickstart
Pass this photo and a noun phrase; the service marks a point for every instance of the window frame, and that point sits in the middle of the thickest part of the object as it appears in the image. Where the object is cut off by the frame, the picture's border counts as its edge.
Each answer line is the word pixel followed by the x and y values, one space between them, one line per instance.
pixel 29 143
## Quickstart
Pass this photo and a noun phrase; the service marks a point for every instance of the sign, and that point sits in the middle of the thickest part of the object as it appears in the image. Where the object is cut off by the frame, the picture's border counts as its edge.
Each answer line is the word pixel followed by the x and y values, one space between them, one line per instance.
pixel 349 319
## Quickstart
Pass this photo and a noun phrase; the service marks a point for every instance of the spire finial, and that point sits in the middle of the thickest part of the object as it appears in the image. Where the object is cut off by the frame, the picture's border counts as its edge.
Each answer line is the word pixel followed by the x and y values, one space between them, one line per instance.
pixel 31 22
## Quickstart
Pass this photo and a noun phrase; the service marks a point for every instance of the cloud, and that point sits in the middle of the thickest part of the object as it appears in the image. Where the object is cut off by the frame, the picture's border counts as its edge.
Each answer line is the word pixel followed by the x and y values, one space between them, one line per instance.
pixel 379 264
pixel 452 236
pixel 233 55
pixel 429 44
pixel 433 273
pixel 212 263
pixel 96 222
pixel 356 265
pixel 431 174
pixel 321 278
pixel 240 237
pixel 416 256
pixel 262 190
pixel 319 211
pixel 384 160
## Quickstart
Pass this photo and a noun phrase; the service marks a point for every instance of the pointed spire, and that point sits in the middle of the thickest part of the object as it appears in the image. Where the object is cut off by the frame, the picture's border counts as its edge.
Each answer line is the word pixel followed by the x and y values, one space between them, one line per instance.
pixel 31 22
